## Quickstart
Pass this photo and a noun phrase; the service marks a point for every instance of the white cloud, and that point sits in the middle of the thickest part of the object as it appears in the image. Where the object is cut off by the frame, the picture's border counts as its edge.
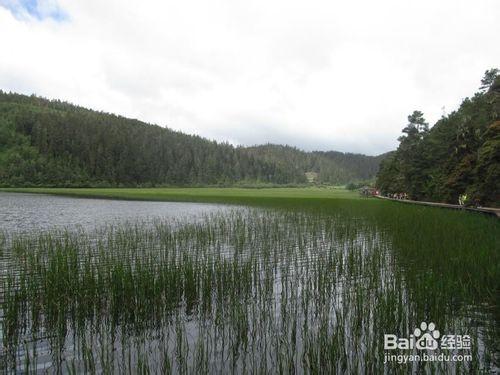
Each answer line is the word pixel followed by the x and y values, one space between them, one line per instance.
pixel 315 74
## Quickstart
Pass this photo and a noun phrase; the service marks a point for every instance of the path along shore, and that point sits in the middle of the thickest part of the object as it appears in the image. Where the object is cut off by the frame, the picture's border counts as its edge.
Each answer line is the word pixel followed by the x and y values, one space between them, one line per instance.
pixel 485 210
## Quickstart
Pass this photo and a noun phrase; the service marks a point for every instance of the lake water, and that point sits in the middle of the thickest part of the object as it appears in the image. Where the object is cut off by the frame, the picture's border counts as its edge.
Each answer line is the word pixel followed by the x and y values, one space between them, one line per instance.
pixel 206 288
pixel 35 212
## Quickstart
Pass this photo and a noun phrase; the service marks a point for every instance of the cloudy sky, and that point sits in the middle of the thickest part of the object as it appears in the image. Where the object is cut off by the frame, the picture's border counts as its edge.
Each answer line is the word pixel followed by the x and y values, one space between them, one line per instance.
pixel 328 75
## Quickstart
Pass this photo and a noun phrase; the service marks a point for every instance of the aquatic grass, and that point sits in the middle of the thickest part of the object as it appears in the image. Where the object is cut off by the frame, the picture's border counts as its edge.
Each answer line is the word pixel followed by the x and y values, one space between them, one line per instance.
pixel 308 287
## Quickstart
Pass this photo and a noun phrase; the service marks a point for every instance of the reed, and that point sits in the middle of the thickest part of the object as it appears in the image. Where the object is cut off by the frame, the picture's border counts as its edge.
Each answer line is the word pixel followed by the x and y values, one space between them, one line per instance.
pixel 304 287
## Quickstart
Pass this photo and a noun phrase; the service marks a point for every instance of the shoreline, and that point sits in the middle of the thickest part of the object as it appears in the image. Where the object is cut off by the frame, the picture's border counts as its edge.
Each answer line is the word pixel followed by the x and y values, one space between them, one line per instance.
pixel 485 210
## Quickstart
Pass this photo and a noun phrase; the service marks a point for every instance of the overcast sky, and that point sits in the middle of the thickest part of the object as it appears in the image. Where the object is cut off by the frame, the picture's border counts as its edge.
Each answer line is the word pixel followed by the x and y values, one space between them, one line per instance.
pixel 326 75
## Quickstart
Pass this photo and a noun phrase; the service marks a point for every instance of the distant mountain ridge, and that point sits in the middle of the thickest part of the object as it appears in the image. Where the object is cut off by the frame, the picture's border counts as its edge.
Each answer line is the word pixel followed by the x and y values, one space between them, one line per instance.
pixel 53 143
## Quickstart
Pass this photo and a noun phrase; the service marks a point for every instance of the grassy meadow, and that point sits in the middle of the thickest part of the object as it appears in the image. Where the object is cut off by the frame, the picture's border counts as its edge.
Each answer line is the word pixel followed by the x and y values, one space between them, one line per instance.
pixel 220 195
pixel 293 281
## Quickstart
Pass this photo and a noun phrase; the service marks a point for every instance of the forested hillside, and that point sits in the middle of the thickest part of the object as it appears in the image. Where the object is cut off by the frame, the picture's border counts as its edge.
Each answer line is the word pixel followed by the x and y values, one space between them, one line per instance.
pixel 330 167
pixel 53 143
pixel 459 155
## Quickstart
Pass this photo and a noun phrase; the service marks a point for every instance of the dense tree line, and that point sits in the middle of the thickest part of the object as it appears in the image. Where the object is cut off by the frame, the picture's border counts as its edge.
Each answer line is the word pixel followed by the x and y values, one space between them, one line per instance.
pixel 458 156
pixel 53 143
pixel 331 167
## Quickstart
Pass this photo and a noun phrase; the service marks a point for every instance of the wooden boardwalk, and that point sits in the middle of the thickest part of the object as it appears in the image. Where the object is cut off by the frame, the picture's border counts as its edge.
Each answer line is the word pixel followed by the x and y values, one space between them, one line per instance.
pixel 484 210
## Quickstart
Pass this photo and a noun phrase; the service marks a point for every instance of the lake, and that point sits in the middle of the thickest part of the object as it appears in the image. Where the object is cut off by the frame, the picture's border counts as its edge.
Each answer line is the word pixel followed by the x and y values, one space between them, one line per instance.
pixel 38 212
pixel 314 287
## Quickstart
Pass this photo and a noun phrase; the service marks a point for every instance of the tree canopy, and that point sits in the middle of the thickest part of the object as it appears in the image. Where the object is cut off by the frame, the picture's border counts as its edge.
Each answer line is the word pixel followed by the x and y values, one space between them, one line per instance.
pixel 459 155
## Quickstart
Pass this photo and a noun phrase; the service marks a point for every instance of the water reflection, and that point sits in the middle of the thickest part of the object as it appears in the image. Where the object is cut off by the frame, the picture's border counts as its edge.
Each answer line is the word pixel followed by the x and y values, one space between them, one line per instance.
pixel 36 212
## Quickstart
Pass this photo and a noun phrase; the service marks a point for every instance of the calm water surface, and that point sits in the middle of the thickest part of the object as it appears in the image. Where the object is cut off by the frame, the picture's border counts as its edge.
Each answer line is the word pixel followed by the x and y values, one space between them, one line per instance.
pixel 35 212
